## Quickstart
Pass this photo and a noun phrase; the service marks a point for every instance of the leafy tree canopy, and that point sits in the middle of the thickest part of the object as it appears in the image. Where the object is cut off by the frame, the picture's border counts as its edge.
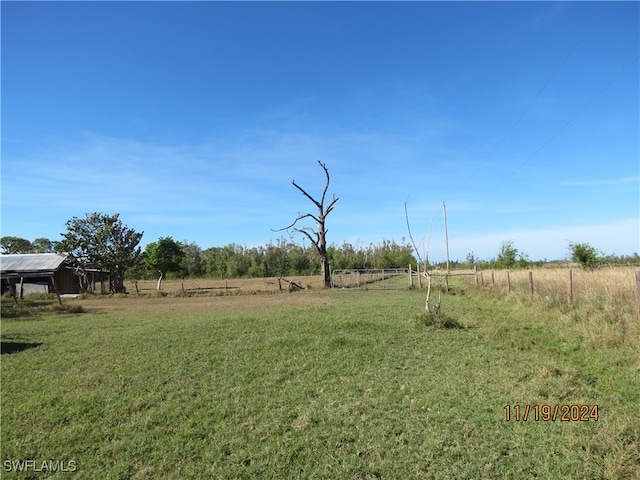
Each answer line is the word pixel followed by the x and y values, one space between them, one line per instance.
pixel 585 255
pixel 509 257
pixel 12 245
pixel 165 255
pixel 43 245
pixel 102 241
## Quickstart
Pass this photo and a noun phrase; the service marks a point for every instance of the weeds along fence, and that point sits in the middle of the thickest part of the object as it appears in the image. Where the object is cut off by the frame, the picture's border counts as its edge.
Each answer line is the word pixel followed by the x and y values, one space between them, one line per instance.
pixel 613 291
pixel 372 278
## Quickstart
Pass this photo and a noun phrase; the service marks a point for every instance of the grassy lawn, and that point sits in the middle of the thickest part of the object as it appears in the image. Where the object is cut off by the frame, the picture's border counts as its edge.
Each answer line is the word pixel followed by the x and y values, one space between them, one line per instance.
pixel 315 384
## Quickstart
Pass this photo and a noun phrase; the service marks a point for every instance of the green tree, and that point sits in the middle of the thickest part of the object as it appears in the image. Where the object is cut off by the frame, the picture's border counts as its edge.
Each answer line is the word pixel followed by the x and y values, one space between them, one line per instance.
pixel 391 255
pixel 103 242
pixel 584 254
pixel 43 245
pixel 256 262
pixel 276 261
pixel 508 256
pixel 471 260
pixel 163 256
pixel 12 245
pixel 193 262
pixel 213 261
pixel 299 262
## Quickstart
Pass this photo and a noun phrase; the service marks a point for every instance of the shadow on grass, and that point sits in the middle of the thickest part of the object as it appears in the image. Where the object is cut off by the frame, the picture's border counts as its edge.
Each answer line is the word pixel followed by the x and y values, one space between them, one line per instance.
pixel 439 320
pixel 16 311
pixel 7 347
pixel 35 310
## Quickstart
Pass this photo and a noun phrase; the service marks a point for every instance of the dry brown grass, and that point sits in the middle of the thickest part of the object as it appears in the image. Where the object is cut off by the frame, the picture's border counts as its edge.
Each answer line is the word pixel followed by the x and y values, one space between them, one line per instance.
pixel 216 286
pixel 233 302
pixel 208 294
pixel 607 285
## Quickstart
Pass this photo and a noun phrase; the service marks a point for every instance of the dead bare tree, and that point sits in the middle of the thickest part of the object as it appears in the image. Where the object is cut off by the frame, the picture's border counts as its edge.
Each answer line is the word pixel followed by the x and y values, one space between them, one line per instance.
pixel 318 235
pixel 425 270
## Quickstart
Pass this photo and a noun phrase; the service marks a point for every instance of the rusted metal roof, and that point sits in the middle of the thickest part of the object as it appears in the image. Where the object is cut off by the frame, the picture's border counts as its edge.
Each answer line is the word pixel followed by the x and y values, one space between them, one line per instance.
pixel 30 263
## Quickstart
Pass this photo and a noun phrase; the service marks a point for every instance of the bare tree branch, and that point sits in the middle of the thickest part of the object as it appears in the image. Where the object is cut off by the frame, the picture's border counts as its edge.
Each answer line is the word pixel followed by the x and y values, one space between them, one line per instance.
pixel 429 238
pixel 326 185
pixel 315 241
pixel 406 215
pixel 330 207
pixel 305 193
pixel 301 217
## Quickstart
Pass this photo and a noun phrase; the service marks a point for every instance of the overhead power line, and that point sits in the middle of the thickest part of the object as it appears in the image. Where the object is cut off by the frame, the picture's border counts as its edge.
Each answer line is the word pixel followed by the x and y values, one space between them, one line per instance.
pixel 544 87
pixel 563 127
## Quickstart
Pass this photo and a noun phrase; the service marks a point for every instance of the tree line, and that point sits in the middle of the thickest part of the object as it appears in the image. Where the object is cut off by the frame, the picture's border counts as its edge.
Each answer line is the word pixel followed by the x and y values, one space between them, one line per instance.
pixel 582 253
pixel 278 259
pixel 102 242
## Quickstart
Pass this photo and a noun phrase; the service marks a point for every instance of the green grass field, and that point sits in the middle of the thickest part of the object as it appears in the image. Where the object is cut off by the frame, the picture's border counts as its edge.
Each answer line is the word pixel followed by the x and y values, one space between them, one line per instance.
pixel 315 384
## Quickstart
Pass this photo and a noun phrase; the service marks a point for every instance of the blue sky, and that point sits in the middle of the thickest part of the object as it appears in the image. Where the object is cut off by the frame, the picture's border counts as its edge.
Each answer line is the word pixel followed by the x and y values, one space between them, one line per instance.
pixel 192 119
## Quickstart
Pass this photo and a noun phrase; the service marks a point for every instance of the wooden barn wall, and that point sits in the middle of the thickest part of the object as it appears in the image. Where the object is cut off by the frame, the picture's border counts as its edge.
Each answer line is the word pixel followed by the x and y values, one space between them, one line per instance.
pixel 66 281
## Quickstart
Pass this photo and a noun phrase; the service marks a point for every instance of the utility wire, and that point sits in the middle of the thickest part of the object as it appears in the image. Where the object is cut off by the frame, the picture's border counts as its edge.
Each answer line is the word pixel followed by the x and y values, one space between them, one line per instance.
pixel 544 87
pixel 563 127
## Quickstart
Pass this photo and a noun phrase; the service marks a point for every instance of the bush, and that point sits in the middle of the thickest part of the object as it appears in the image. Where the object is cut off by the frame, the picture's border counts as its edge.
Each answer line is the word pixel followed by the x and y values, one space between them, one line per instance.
pixel 438 320
pixel 585 255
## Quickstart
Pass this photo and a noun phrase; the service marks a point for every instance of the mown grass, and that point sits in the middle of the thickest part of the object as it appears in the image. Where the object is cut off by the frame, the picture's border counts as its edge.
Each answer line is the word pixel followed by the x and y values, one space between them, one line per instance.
pixel 316 384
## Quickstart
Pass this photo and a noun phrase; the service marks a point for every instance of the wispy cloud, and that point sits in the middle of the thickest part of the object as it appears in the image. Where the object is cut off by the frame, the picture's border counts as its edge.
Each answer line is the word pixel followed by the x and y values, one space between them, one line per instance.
pixel 601 181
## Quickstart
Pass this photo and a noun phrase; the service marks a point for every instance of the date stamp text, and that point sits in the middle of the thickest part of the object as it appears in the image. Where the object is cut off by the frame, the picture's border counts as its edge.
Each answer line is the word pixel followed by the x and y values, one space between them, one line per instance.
pixel 551 413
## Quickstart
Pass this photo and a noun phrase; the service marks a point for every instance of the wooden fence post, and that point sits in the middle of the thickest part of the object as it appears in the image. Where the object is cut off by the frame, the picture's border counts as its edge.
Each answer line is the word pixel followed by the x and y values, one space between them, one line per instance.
pixel 55 289
pixel 475 273
pixel 410 277
pixel 493 281
pixel 531 283
pixel 508 282
pixel 570 287
pixel 12 290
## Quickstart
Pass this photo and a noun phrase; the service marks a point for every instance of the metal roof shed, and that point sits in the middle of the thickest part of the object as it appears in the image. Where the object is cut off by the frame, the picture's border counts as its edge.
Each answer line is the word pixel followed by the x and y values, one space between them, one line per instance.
pixel 31 266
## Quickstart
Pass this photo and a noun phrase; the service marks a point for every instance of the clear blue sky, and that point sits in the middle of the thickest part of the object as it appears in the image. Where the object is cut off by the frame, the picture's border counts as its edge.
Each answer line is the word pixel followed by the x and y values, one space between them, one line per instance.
pixel 192 119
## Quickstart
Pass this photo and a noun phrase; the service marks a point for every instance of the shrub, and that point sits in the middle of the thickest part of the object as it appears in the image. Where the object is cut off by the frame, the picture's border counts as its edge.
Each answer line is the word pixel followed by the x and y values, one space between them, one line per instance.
pixel 584 254
pixel 438 320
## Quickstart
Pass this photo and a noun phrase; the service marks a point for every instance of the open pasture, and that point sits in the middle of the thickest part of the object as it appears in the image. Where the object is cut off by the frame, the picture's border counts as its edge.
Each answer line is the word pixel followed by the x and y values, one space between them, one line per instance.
pixel 315 384
pixel 221 286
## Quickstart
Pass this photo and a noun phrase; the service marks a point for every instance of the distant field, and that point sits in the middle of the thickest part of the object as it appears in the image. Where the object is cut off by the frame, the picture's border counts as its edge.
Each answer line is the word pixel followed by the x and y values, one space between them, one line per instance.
pixel 216 286
pixel 604 284
pixel 317 384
